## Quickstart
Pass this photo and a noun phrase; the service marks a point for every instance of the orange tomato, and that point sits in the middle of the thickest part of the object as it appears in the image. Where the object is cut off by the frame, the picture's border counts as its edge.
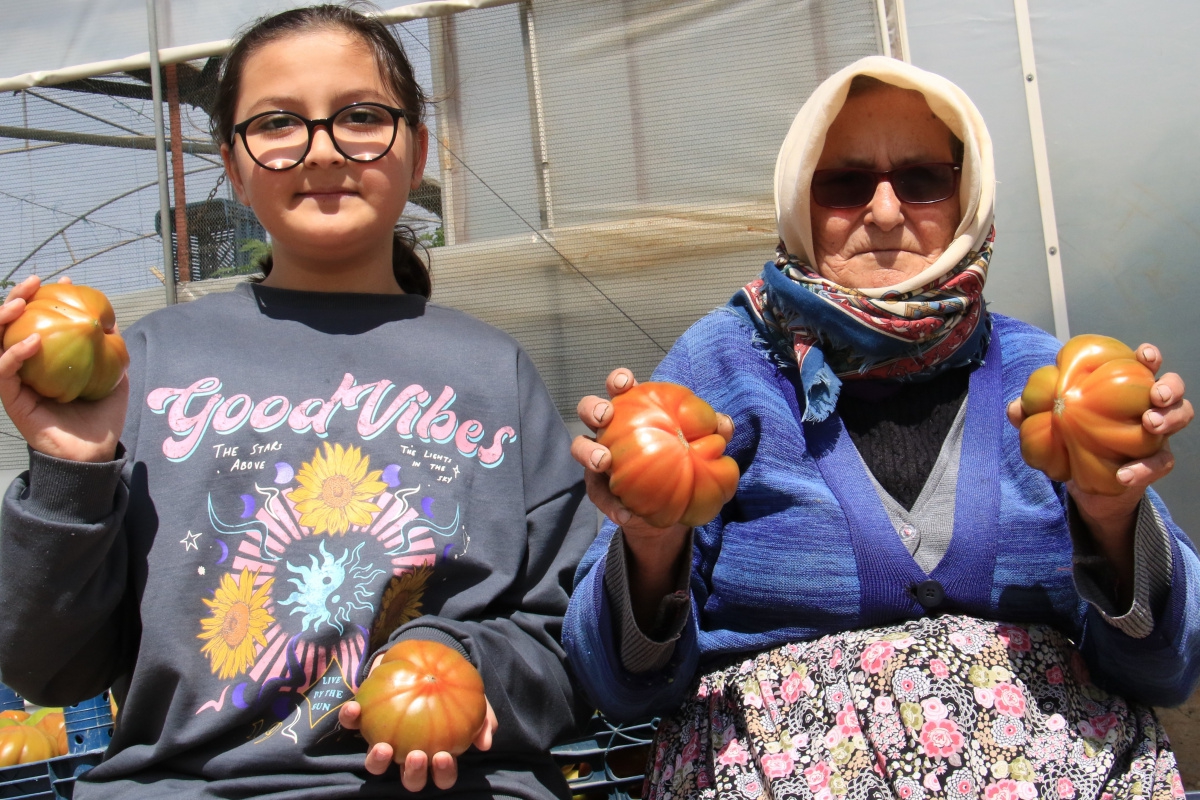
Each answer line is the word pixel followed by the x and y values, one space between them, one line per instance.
pixel 82 355
pixel 21 744
pixel 1083 415
pixel 422 696
pixel 14 715
pixel 668 462
pixel 54 725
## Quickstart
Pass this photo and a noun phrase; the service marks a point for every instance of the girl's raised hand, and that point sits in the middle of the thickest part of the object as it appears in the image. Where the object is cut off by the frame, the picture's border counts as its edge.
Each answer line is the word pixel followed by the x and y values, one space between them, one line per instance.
pixel 83 430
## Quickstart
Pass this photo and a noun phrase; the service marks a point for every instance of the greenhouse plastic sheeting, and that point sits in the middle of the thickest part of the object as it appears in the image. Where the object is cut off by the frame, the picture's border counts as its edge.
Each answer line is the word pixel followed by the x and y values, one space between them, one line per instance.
pixel 601 176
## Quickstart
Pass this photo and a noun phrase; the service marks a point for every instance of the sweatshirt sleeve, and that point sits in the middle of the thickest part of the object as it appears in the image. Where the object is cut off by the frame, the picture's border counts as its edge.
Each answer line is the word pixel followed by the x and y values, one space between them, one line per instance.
pixel 68 629
pixel 514 641
pixel 1162 666
pixel 71 625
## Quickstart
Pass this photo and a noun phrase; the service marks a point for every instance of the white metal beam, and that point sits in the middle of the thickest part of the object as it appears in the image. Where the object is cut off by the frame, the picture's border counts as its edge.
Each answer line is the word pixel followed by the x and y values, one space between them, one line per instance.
pixel 176 55
pixel 1041 168
pixel 160 147
pixel 885 34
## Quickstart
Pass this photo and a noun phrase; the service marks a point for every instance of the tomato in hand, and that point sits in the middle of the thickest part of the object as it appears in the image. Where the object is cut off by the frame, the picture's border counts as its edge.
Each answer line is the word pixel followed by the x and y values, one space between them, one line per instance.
pixel 1083 415
pixel 21 744
pixel 668 465
pixel 422 696
pixel 82 355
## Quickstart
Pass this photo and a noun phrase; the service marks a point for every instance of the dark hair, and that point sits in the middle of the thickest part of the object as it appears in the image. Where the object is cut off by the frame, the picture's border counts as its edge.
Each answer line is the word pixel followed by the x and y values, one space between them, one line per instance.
pixel 862 84
pixel 408 267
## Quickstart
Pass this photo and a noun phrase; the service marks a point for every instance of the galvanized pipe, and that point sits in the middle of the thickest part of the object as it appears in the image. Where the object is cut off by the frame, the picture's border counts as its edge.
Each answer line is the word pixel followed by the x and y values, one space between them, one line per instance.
pixel 160 147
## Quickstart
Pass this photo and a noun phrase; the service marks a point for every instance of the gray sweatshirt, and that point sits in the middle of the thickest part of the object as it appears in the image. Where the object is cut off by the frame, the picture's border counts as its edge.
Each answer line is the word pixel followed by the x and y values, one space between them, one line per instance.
pixel 304 477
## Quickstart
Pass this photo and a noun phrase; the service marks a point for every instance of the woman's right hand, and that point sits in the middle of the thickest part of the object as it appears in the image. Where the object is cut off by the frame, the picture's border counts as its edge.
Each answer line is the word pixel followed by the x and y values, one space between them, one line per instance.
pixel 652 553
pixel 83 430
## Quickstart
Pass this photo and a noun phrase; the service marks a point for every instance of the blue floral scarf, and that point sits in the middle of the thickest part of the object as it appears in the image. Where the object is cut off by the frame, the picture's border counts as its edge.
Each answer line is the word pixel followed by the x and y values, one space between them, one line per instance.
pixel 832 332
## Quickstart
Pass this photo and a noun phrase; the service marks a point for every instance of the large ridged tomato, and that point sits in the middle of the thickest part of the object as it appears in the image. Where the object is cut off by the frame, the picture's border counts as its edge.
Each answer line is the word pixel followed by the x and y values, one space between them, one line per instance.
pixel 82 355
pixel 668 465
pixel 52 723
pixel 1083 415
pixel 21 744
pixel 422 696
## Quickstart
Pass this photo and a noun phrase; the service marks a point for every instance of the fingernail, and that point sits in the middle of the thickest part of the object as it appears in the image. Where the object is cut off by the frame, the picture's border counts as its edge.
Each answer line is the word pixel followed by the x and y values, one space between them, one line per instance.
pixel 601 410
pixel 597 457
pixel 621 380
pixel 1155 418
pixel 623 515
pixel 1148 353
pixel 1124 475
pixel 1164 394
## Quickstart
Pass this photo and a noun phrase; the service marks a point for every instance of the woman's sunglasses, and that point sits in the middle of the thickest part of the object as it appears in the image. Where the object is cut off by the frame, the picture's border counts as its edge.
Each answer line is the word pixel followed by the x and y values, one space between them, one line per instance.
pixel 912 183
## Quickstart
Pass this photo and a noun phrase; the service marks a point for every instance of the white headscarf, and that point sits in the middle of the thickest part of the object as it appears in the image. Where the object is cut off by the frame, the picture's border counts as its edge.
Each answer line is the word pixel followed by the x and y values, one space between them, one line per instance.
pixel 806 140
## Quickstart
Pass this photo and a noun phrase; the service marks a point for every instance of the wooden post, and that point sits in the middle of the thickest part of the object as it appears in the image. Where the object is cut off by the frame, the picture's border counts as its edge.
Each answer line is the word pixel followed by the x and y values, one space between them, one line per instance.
pixel 182 256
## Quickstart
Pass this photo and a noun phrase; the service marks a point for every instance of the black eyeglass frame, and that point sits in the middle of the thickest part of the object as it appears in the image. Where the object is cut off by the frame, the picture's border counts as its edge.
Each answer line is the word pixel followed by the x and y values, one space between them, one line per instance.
pixel 397 114
pixel 882 175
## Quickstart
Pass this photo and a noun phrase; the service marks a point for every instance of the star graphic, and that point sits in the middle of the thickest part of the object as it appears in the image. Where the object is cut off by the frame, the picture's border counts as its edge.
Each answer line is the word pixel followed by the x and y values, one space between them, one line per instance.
pixel 456 471
pixel 189 541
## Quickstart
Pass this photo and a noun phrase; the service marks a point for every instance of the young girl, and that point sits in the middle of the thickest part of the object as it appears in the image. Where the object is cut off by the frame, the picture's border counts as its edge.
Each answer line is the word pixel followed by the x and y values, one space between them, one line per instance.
pixel 296 475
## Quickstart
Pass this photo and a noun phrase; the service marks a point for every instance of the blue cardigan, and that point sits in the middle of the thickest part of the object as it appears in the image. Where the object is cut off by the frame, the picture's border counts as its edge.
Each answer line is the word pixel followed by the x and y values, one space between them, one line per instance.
pixel 805 548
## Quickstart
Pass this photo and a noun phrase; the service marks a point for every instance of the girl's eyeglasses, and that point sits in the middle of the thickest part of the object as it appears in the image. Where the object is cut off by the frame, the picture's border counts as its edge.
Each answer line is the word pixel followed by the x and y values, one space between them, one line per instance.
pixel 361 132
pixel 913 183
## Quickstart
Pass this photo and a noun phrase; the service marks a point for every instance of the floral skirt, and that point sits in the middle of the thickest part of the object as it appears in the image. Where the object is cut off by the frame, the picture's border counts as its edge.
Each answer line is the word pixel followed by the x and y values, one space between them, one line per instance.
pixel 943 707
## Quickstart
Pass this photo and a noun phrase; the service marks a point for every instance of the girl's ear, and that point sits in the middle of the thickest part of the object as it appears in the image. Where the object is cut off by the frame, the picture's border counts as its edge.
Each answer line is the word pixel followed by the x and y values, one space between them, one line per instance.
pixel 231 172
pixel 420 153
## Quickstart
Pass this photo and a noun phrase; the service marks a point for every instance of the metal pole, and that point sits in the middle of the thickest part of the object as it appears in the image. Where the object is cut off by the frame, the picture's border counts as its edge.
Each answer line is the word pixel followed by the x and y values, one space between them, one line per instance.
pixel 885 37
pixel 160 146
pixel 1041 170
pixel 541 152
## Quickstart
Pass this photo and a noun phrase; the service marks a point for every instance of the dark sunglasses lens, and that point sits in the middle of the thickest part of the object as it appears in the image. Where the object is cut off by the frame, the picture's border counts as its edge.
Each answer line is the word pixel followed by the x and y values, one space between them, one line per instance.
pixel 924 183
pixel 843 188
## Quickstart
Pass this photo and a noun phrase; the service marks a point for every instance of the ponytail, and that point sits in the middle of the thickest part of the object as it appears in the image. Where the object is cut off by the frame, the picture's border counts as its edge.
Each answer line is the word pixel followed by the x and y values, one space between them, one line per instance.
pixel 409 268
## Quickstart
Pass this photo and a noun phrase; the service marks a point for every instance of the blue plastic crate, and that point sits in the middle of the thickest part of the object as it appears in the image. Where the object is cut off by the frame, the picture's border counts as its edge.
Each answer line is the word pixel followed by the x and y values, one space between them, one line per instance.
pixel 10 700
pixel 47 780
pixel 610 759
pixel 89 724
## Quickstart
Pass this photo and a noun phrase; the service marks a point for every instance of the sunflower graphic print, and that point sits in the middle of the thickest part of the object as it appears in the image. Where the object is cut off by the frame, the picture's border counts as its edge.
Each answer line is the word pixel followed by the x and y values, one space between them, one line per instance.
pixel 325 562
pixel 237 623
pixel 335 491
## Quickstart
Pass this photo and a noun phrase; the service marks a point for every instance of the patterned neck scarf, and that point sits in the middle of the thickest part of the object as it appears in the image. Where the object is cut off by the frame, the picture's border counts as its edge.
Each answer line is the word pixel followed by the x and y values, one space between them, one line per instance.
pixel 832 332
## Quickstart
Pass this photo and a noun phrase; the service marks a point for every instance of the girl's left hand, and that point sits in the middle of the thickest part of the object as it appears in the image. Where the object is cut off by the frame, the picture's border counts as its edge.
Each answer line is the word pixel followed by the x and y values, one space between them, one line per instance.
pixel 418 764
pixel 1111 519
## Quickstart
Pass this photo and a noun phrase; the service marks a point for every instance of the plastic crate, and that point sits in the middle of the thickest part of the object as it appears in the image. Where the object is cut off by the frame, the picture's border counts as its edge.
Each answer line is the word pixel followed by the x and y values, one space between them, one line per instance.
pixel 47 780
pixel 609 759
pixel 10 700
pixel 89 725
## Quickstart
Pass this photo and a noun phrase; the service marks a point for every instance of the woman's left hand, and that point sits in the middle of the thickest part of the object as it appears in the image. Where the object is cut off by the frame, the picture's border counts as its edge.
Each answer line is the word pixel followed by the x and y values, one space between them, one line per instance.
pixel 418 765
pixel 1111 519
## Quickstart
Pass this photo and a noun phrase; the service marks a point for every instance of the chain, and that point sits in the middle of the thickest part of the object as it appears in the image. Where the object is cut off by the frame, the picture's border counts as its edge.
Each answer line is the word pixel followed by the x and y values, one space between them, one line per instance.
pixel 216 186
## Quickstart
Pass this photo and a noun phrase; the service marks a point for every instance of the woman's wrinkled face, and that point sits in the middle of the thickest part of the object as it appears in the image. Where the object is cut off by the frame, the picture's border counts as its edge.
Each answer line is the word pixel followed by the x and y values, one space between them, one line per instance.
pixel 886 241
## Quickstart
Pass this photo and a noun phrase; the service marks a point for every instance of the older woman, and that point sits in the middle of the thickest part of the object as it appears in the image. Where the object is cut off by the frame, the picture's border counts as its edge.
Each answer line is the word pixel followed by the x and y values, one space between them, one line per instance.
pixel 893 603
